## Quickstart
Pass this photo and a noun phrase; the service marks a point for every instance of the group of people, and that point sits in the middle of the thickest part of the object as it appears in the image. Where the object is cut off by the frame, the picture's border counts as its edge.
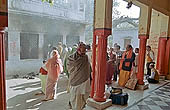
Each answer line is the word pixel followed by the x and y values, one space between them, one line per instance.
pixel 125 64
pixel 77 66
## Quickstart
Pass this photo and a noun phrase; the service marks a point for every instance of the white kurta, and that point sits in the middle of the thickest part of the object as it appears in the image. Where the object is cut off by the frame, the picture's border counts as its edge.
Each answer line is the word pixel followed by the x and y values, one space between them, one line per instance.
pixel 79 95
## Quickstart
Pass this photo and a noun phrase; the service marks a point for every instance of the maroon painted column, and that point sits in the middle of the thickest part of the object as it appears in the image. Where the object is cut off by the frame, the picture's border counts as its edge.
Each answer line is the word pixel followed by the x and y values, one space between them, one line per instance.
pixel 141 61
pixel 161 55
pixel 167 56
pixel 101 64
pixel 2 72
pixel 93 66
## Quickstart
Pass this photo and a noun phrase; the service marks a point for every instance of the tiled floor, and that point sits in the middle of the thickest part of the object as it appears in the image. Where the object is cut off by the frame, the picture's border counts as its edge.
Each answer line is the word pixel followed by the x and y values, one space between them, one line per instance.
pixel 21 96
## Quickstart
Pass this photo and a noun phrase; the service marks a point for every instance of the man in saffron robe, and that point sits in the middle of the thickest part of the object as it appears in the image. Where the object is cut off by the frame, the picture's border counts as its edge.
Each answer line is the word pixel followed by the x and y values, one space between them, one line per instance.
pixel 125 67
pixel 79 68
pixel 54 68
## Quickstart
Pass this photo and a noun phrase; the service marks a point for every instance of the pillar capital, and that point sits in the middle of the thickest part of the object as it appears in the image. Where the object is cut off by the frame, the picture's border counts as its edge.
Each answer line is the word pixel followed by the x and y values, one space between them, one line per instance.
pixel 103 32
pixel 143 37
pixel 2 29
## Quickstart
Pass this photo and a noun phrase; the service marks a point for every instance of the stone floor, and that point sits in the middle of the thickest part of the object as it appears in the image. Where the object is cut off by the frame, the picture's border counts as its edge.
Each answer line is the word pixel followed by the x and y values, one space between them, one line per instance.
pixel 21 96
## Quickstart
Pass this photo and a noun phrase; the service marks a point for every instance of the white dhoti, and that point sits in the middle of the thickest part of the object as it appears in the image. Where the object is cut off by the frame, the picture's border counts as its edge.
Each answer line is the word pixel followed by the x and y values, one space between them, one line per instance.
pixel 79 95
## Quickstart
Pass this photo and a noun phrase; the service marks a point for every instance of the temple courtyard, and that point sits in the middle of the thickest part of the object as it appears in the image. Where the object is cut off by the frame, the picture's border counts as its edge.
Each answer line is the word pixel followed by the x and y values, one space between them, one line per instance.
pixel 21 96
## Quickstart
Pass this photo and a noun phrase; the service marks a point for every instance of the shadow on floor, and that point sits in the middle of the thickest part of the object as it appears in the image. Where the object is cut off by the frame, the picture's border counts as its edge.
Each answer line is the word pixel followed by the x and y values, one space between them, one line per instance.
pixel 27 85
pixel 24 101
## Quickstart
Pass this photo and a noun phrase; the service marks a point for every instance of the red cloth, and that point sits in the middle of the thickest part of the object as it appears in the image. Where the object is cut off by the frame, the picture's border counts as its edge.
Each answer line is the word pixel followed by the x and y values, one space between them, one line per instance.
pixel 110 71
pixel 43 71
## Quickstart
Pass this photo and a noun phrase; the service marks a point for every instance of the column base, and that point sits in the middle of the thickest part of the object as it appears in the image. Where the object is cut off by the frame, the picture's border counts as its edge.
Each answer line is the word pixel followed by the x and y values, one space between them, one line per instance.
pixel 99 105
pixel 161 78
pixel 168 77
pixel 142 87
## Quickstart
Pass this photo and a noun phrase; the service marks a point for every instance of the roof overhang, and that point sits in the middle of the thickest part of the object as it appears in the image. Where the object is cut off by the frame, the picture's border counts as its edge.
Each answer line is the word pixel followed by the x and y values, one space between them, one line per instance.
pixel 162 6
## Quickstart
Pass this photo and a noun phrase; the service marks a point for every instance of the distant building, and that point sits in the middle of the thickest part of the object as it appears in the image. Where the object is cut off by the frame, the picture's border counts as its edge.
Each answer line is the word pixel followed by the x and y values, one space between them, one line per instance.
pixel 125 31
pixel 33 25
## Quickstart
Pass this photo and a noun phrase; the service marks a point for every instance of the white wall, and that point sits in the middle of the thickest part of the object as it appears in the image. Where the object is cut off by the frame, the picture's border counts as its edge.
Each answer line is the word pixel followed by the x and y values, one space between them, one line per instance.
pixel 120 35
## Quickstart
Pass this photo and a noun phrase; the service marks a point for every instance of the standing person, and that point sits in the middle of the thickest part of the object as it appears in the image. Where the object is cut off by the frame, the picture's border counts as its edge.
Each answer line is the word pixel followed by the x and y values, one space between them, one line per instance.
pixel 64 52
pixel 118 57
pixel 135 64
pixel 60 48
pixel 125 67
pixel 54 68
pixel 89 53
pixel 43 77
pixel 154 78
pixel 149 58
pixel 79 68
pixel 111 68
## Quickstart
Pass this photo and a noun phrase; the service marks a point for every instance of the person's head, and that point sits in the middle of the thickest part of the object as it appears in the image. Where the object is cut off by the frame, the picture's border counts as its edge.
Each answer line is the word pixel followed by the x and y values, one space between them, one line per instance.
pixel 128 47
pixel 44 61
pixel 55 53
pixel 64 46
pixel 54 48
pixel 60 43
pixel 75 46
pixel 136 50
pixel 88 47
pixel 69 49
pixel 148 48
pixel 115 45
pixel 49 45
pixel 111 49
pixel 152 65
pixel 113 57
pixel 81 48
pixel 118 47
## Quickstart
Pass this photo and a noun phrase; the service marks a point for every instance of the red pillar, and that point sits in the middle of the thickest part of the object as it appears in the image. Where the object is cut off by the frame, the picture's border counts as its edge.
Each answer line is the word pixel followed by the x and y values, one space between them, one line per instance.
pixel 93 65
pixel 101 64
pixel 167 56
pixel 141 65
pixel 2 72
pixel 161 55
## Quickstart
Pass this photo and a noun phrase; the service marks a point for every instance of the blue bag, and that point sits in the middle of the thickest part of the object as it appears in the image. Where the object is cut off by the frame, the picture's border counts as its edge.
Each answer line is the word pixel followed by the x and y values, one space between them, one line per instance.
pixel 120 99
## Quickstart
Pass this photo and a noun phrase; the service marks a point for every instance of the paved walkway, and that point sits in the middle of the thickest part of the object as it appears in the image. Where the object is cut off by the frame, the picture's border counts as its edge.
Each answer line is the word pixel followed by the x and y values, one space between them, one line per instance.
pixel 21 96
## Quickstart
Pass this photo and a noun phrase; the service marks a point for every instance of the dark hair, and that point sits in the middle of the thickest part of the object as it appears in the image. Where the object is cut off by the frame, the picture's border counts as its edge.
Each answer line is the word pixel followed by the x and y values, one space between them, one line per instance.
pixel 88 47
pixel 137 49
pixel 130 46
pixel 118 46
pixel 44 61
pixel 152 64
pixel 148 46
pixel 54 48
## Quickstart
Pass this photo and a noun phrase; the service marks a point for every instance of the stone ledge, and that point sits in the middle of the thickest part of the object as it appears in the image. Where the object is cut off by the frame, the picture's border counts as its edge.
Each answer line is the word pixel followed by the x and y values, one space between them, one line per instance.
pixel 161 78
pixel 168 77
pixel 142 87
pixel 99 105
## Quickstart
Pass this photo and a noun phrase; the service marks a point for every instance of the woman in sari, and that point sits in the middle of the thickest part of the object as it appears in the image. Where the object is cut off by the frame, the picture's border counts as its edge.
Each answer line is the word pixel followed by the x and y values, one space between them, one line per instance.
pixel 125 67
pixel 111 68
pixel 54 68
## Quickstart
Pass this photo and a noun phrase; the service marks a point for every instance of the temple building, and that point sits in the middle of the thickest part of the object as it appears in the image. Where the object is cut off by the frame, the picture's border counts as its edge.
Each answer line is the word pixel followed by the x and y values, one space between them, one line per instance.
pixel 33 25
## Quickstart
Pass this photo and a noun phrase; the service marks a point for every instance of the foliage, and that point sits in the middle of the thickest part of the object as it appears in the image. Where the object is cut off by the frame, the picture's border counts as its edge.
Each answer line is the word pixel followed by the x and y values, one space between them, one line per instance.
pixel 49 1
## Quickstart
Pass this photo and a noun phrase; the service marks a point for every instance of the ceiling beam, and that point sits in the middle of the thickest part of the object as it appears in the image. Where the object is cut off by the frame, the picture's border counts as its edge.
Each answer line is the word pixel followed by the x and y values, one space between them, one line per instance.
pixel 159 5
